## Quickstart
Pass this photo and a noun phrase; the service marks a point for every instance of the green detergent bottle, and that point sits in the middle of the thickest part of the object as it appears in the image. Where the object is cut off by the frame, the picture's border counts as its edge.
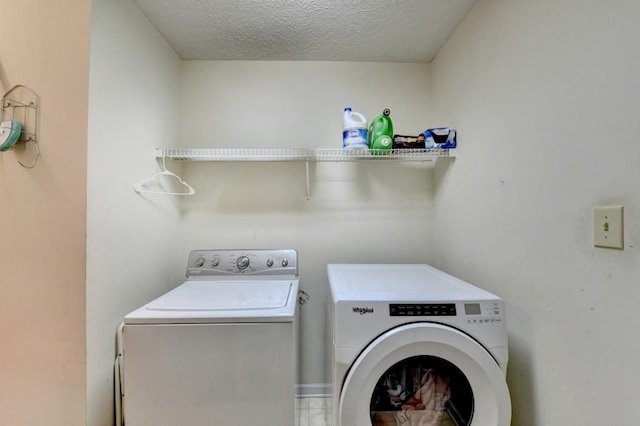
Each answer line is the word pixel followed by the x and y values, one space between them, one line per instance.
pixel 381 134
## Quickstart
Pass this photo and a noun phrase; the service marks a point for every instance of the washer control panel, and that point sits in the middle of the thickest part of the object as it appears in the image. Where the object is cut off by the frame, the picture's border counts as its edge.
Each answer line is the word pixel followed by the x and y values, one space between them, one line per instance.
pixel 242 262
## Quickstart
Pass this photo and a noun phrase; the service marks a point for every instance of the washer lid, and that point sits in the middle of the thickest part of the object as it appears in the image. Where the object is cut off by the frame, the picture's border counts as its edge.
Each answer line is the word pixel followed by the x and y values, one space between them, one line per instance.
pixel 491 400
pixel 221 301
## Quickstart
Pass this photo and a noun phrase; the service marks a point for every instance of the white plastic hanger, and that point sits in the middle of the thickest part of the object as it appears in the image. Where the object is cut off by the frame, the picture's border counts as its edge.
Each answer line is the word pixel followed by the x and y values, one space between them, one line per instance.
pixel 143 187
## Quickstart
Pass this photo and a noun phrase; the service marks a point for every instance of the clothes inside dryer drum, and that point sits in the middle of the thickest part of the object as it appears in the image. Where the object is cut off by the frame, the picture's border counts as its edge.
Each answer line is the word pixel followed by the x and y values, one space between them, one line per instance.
pixel 422 391
pixel 464 384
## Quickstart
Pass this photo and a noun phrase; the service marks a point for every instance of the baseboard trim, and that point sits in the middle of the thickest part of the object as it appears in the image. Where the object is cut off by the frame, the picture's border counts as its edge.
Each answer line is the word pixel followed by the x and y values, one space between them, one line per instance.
pixel 313 390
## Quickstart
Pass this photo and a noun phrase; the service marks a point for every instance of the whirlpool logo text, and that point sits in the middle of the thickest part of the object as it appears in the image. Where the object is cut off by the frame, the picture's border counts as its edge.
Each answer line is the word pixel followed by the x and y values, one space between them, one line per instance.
pixel 362 311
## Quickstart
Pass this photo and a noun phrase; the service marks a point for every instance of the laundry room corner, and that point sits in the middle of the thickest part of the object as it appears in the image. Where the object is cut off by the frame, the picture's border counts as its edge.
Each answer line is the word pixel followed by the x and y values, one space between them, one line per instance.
pixel 353 212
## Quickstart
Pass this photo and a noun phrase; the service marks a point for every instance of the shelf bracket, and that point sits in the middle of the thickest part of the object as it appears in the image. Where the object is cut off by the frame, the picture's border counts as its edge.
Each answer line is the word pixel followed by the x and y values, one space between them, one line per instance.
pixel 307 167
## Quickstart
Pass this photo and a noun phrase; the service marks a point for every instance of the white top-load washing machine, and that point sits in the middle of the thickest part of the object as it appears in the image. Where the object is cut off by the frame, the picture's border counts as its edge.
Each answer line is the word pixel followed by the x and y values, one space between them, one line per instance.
pixel 220 349
pixel 412 345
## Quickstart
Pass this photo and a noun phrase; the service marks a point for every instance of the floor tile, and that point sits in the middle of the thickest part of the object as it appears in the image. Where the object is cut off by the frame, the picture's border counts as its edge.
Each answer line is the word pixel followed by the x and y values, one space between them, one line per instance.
pixel 313 411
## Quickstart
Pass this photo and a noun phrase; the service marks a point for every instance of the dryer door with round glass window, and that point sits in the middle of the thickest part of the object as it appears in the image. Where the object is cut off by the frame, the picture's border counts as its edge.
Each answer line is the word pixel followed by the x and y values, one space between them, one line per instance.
pixel 424 374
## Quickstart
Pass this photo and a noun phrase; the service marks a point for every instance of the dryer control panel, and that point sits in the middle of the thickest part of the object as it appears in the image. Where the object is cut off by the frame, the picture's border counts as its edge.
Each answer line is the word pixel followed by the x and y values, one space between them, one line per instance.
pixel 216 263
pixel 483 312
pixel 422 309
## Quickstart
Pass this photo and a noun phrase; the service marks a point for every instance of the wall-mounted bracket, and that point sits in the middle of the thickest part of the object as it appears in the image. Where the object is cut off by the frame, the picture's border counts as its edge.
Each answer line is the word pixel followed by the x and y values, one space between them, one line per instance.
pixel 22 104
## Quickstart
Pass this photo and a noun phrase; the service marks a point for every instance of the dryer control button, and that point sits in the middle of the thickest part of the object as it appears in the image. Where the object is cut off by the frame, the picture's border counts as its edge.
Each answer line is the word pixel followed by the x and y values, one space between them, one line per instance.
pixel 285 262
pixel 200 262
pixel 270 263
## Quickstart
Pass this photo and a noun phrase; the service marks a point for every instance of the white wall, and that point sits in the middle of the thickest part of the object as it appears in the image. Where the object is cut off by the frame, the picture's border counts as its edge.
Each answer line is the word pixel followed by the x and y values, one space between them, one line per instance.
pixel 545 96
pixel 132 241
pixel 364 212
pixel 42 212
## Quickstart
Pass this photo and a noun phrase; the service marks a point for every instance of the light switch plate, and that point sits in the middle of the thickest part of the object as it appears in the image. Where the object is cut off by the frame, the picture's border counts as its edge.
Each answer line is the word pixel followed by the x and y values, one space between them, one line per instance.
pixel 608 230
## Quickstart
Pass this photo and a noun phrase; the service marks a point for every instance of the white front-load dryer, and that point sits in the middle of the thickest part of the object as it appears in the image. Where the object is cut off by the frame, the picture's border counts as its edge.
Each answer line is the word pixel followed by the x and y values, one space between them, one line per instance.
pixel 412 345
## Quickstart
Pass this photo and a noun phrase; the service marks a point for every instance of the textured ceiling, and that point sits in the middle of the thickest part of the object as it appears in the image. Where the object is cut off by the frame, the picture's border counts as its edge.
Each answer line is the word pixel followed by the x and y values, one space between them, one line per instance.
pixel 319 30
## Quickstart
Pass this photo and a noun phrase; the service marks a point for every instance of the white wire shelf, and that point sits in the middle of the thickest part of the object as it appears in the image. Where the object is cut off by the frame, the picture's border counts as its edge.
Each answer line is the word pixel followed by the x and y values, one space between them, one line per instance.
pixel 305 155
pixel 229 154
pixel 381 154
pixel 292 154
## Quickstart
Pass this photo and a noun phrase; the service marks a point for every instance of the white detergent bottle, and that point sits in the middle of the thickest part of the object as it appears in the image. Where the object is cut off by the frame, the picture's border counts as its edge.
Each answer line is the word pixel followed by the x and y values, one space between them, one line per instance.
pixel 354 130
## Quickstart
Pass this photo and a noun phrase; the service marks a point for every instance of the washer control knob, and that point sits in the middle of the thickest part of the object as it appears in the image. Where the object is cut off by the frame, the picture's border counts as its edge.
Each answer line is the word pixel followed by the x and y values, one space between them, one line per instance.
pixel 285 262
pixel 200 262
pixel 242 262
pixel 215 262
pixel 269 263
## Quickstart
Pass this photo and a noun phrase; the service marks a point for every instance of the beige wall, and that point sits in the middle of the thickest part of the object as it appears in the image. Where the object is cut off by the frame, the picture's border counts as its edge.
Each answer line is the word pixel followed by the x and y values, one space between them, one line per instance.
pixel 545 95
pixel 45 45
